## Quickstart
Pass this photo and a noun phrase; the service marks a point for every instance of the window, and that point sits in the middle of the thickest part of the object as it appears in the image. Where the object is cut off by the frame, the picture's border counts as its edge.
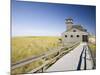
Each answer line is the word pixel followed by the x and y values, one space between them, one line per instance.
pixel 74 30
pixel 71 36
pixel 65 35
pixel 77 35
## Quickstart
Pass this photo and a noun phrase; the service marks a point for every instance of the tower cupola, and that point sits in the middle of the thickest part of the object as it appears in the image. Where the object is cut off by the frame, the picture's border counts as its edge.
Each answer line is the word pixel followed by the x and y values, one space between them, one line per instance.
pixel 69 23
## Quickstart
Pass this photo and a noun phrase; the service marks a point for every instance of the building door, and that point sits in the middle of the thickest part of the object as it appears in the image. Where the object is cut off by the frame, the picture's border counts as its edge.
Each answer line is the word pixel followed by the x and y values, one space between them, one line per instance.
pixel 85 38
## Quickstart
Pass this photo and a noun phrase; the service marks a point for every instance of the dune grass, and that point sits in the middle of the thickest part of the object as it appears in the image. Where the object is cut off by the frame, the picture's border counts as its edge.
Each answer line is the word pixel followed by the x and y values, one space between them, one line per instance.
pixel 93 52
pixel 93 49
pixel 24 47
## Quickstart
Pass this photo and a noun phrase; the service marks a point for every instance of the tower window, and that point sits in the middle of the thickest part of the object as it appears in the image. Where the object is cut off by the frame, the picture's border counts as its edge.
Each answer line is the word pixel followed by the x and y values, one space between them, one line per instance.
pixel 71 36
pixel 77 35
pixel 65 35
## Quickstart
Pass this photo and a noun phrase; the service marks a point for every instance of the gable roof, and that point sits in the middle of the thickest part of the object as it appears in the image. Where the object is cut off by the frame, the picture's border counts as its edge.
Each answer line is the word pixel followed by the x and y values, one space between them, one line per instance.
pixel 79 27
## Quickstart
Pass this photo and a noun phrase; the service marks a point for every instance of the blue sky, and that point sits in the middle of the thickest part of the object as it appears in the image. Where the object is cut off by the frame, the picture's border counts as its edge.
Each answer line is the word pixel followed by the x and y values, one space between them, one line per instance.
pixel 48 19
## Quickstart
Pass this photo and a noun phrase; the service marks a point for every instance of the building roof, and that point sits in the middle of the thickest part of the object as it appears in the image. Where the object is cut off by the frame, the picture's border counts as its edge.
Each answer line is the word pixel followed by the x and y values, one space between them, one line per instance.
pixel 79 27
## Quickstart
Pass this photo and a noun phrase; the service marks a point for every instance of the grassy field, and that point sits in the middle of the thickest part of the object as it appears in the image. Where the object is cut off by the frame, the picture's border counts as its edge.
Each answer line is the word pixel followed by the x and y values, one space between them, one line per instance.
pixel 24 47
pixel 93 51
pixel 92 46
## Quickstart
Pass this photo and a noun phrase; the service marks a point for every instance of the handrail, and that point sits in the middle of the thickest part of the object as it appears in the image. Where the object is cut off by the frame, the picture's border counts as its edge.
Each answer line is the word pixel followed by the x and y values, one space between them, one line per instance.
pixel 38 68
pixel 47 62
pixel 31 59
pixel 34 58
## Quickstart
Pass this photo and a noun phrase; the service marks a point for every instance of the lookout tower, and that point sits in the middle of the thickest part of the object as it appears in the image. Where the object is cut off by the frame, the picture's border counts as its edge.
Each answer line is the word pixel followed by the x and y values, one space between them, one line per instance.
pixel 69 23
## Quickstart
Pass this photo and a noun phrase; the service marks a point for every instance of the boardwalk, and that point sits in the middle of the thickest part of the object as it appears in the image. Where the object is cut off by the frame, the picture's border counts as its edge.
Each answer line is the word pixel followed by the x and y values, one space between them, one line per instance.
pixel 78 59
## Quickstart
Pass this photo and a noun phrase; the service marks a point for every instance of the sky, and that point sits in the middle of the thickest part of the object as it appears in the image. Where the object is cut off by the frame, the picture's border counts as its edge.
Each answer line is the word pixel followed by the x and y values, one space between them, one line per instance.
pixel 48 19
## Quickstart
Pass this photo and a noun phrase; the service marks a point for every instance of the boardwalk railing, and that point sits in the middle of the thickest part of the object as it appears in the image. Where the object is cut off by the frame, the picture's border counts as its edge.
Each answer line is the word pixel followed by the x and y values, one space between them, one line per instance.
pixel 60 52
pixel 81 59
pixel 85 57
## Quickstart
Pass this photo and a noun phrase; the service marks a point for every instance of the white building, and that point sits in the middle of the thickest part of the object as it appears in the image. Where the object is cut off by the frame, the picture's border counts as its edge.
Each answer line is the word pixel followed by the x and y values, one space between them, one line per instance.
pixel 74 33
